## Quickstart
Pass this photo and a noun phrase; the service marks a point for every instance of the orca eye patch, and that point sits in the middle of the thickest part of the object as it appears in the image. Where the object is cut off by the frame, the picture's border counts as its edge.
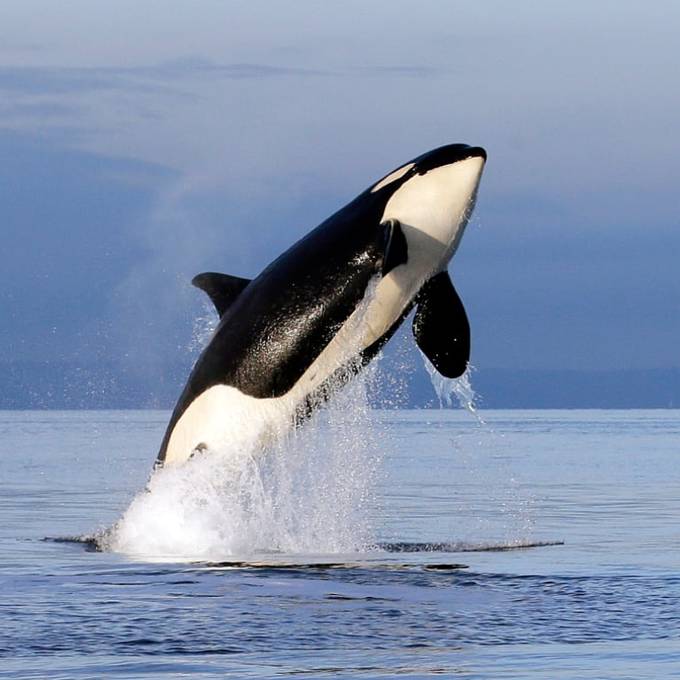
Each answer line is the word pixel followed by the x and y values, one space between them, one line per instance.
pixel 392 177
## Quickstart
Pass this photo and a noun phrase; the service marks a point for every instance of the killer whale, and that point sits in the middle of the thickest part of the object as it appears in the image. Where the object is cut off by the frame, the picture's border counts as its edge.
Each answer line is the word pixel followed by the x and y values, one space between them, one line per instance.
pixel 334 298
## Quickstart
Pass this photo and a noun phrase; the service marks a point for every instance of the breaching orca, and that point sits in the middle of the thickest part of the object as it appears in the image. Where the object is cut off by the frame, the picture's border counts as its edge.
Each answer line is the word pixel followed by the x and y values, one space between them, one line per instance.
pixel 331 300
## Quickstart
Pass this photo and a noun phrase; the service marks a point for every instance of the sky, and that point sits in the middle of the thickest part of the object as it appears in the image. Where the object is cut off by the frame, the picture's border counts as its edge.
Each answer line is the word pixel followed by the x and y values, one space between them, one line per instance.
pixel 143 142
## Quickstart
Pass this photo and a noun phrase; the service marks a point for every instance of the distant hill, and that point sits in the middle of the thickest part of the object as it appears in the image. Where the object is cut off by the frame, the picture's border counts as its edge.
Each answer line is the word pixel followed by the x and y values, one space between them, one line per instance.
pixel 402 382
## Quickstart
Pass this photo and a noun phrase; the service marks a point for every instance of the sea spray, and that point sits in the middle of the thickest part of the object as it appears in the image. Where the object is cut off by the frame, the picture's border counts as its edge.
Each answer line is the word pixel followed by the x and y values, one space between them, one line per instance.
pixel 267 487
pixel 313 491
pixel 203 327
pixel 459 388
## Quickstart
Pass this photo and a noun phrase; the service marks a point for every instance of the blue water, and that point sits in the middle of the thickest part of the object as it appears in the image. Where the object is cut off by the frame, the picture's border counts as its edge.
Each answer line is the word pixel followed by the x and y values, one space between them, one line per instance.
pixel 603 604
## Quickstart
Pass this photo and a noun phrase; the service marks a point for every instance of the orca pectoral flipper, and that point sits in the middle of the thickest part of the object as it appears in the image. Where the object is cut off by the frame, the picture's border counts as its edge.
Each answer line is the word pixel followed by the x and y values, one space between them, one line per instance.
pixel 441 326
pixel 222 289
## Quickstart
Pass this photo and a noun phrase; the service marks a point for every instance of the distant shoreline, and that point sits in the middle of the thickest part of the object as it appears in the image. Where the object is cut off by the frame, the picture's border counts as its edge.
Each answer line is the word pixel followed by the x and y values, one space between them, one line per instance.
pixel 68 386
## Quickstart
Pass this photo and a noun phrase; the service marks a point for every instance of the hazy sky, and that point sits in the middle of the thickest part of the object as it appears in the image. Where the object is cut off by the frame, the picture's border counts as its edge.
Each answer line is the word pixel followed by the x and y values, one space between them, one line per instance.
pixel 143 142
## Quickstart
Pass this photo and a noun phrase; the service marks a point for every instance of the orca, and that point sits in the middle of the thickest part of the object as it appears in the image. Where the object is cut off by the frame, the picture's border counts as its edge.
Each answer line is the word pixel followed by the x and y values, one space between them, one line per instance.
pixel 286 338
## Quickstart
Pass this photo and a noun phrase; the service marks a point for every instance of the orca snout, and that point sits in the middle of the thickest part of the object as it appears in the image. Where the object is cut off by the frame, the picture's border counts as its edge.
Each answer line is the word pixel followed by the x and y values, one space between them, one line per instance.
pixel 477 152
pixel 448 155
pixel 467 151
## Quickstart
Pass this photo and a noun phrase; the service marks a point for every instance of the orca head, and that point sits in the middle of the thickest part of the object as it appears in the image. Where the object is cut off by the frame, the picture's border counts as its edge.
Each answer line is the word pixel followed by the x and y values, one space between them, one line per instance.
pixel 432 197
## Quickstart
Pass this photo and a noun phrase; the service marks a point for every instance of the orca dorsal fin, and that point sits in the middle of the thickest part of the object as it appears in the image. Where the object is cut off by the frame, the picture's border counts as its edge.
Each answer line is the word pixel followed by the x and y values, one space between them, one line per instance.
pixel 396 248
pixel 441 326
pixel 222 289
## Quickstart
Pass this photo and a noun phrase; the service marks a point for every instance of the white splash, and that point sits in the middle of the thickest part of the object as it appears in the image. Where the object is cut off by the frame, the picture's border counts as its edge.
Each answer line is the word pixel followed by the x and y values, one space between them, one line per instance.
pixel 313 491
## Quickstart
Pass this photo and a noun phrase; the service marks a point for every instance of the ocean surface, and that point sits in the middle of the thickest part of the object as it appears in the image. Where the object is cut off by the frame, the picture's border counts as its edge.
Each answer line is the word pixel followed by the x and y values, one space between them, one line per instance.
pixel 378 545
